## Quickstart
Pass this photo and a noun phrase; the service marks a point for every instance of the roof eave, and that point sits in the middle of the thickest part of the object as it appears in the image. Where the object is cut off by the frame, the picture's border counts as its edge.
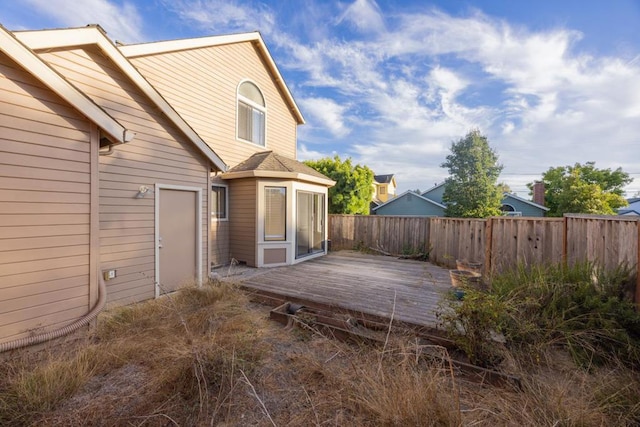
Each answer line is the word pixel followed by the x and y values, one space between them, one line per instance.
pixel 296 176
pixel 19 52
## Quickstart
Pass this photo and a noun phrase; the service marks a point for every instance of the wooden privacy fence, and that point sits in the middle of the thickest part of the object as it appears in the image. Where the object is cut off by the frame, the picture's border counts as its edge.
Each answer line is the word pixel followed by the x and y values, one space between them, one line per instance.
pixel 499 243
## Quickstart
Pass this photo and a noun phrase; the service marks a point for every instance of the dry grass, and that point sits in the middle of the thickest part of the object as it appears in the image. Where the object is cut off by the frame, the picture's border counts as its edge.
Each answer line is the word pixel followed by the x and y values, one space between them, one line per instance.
pixel 208 356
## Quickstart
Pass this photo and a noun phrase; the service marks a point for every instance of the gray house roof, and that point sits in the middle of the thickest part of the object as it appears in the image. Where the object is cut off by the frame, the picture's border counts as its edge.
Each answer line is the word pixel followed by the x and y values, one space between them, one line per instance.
pixel 398 198
pixel 520 199
pixel 632 209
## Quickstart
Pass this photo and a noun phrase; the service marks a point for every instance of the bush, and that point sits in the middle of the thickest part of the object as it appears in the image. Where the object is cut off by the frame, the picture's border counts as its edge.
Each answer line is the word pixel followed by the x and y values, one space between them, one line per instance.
pixel 472 322
pixel 580 308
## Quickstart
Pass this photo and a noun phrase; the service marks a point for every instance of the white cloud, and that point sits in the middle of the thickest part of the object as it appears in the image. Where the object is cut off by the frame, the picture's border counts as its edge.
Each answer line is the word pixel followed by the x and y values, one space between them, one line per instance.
pixel 122 21
pixel 365 16
pixel 232 16
pixel 304 153
pixel 328 113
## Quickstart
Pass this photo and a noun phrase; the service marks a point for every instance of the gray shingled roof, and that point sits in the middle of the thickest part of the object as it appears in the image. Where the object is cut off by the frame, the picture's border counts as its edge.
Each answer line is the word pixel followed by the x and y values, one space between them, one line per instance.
pixel 270 161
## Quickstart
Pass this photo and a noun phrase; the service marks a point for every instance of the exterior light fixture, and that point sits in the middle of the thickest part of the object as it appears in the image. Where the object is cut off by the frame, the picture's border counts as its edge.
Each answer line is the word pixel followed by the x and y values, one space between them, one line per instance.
pixel 142 191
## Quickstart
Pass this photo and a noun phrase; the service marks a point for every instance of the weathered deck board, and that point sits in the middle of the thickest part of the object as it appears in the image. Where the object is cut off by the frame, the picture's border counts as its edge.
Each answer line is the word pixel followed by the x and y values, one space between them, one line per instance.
pixel 360 282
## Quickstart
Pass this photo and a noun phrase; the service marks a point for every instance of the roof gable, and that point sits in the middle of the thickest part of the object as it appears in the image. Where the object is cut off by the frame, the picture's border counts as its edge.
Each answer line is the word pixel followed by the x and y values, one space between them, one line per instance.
pixel 94 35
pixel 435 193
pixel 162 47
pixel 407 193
pixel 30 61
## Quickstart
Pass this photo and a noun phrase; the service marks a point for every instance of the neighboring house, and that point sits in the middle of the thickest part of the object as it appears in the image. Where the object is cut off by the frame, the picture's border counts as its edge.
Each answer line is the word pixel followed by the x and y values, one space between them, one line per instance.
pixel 633 209
pixel 513 205
pixel 435 193
pixel 107 170
pixel 429 203
pixel 410 203
pixel 384 188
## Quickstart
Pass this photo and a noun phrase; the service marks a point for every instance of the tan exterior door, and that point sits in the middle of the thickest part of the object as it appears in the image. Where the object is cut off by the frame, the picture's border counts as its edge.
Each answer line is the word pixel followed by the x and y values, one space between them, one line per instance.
pixel 177 238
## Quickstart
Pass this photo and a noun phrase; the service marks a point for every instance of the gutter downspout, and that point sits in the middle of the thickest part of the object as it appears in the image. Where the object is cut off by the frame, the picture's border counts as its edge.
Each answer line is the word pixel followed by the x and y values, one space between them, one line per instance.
pixel 47 336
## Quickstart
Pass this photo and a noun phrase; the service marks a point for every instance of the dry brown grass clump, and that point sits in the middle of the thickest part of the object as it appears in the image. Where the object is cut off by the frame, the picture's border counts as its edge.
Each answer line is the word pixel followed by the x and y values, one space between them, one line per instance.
pixel 208 356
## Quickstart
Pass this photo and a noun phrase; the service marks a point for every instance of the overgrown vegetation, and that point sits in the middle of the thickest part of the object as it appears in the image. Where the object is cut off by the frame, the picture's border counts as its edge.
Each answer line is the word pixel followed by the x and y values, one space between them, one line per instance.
pixel 580 309
pixel 208 356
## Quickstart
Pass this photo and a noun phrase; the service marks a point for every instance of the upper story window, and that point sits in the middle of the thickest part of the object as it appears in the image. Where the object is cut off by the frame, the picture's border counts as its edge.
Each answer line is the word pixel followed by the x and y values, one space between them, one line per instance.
pixel 251 114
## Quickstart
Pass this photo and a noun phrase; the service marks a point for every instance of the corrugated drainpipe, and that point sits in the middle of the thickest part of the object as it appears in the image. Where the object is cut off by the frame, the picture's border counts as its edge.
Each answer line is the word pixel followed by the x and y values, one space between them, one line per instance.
pixel 37 339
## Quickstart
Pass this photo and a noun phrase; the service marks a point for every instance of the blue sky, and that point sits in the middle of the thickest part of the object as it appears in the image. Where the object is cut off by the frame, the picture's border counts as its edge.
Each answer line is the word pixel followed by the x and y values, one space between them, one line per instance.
pixel 392 83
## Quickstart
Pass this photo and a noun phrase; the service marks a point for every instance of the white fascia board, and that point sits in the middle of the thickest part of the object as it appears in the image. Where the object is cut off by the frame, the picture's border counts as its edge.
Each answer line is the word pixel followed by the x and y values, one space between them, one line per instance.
pixel 295 176
pixel 153 48
pixel 28 60
pixel 48 39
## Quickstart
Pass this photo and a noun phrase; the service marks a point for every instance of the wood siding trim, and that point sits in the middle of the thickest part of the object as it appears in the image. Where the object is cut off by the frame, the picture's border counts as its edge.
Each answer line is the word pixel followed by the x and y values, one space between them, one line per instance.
pixel 94 217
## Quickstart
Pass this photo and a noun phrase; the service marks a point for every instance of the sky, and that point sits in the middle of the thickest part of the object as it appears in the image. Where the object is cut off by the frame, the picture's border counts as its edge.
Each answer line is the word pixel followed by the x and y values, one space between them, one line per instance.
pixel 392 84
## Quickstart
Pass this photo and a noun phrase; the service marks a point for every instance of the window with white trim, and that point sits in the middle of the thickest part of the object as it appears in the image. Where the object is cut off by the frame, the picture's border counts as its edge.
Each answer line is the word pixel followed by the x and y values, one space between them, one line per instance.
pixel 275 214
pixel 251 114
pixel 219 202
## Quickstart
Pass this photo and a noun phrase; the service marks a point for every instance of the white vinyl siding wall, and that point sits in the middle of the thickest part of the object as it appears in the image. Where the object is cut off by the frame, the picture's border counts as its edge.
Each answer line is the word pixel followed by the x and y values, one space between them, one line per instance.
pixel 158 154
pixel 45 207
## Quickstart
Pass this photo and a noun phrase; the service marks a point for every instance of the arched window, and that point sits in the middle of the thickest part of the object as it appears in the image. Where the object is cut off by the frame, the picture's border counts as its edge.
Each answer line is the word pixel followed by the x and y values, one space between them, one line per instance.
pixel 507 208
pixel 251 114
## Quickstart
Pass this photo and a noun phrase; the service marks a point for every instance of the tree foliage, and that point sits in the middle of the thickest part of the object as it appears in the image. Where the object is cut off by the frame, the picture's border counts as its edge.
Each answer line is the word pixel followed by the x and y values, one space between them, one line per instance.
pixel 471 190
pixel 352 192
pixel 583 189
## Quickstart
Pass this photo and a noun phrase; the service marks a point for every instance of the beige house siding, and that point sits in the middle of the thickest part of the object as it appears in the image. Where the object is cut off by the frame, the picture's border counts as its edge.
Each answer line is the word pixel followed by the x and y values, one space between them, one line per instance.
pixel 219 243
pixel 201 84
pixel 242 222
pixel 159 154
pixel 45 207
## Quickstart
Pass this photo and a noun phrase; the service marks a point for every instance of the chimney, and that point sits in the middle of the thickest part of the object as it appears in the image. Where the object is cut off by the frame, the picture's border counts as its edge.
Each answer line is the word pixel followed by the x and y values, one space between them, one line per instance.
pixel 538 192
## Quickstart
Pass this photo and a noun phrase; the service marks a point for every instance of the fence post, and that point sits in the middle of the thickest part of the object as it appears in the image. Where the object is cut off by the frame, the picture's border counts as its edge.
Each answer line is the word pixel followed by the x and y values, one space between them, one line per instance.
pixel 637 296
pixel 565 230
pixel 488 239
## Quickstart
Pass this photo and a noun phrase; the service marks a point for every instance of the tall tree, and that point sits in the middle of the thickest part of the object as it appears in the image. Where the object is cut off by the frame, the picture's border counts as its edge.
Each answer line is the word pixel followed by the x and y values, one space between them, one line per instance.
pixel 471 190
pixel 583 189
pixel 352 192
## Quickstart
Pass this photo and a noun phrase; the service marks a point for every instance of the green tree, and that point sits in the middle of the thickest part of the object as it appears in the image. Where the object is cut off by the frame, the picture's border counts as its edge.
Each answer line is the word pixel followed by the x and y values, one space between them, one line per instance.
pixel 352 192
pixel 471 190
pixel 583 189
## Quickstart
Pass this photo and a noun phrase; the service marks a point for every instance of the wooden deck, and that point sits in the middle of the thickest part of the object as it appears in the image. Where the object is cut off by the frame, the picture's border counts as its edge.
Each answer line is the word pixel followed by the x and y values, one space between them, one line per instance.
pixel 351 280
